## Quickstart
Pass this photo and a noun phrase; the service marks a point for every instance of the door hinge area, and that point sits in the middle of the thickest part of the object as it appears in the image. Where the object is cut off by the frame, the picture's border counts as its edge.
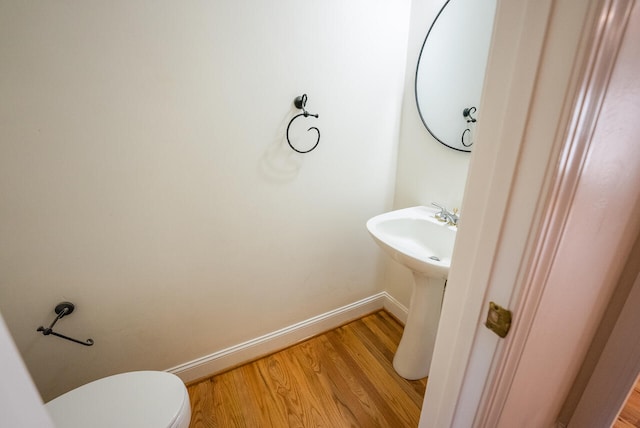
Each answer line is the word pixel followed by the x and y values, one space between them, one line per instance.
pixel 498 319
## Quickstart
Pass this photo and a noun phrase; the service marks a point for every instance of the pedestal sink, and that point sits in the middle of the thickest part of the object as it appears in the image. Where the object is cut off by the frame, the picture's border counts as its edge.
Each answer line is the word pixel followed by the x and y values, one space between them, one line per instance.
pixel 414 238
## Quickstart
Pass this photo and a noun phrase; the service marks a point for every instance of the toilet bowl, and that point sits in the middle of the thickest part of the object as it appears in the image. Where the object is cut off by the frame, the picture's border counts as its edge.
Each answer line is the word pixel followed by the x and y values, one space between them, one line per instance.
pixel 144 399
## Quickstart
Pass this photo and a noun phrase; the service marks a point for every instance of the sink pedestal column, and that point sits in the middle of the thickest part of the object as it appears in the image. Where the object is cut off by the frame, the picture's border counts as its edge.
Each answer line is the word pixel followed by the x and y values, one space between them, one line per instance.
pixel 413 357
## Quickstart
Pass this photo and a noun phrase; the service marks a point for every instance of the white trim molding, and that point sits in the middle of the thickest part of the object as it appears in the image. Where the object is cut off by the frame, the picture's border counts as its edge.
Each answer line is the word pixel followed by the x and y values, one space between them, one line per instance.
pixel 269 343
pixel 395 308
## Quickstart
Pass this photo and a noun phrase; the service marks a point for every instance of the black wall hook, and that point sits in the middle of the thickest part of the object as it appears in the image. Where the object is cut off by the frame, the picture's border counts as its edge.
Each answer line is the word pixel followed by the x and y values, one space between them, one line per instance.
pixel 300 103
pixel 63 309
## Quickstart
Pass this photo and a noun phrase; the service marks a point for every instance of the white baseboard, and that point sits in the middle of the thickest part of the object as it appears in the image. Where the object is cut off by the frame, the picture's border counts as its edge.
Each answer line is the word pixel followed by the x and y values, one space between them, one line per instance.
pixel 272 342
pixel 395 308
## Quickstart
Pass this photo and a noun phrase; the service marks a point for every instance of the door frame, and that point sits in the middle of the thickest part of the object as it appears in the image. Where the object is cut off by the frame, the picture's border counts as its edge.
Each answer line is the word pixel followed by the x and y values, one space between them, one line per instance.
pixel 539 106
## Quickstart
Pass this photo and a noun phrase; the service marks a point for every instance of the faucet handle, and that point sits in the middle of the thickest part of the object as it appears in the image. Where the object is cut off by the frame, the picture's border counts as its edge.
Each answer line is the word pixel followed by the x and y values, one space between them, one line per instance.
pixel 454 217
pixel 442 215
pixel 443 209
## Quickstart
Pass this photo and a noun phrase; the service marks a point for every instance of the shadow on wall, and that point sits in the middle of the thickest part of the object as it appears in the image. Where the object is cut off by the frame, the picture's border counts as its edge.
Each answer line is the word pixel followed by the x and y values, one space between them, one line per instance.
pixel 280 163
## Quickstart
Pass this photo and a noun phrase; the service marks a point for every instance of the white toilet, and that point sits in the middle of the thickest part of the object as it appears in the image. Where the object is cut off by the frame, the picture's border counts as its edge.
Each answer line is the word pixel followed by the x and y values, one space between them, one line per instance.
pixel 145 399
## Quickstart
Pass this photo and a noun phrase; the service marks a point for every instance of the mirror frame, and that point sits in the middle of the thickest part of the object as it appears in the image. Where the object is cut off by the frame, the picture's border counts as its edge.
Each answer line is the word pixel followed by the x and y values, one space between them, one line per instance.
pixel 467 111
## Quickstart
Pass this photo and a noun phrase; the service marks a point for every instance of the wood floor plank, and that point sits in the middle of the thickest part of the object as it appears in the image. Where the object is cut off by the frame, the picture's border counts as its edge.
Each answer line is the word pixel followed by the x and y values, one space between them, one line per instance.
pixel 381 337
pixel 228 404
pixel 387 328
pixel 287 393
pixel 270 413
pixel 391 323
pixel 314 367
pixel 347 400
pixel 621 423
pixel 362 396
pixel 381 373
pixel 202 409
pixel 414 390
pixel 343 378
pixel 371 384
pixel 629 417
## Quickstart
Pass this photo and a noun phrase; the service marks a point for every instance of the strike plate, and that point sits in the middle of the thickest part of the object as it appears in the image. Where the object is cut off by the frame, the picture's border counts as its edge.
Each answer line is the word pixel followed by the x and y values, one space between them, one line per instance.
pixel 498 319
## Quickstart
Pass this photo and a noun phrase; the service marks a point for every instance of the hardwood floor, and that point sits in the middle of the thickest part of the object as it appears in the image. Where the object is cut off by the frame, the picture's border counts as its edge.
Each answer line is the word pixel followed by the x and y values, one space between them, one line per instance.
pixel 342 378
pixel 629 417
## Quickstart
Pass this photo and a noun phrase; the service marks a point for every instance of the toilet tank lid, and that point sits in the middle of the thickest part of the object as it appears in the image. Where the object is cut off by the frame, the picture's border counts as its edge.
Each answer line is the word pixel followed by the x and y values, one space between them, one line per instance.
pixel 135 399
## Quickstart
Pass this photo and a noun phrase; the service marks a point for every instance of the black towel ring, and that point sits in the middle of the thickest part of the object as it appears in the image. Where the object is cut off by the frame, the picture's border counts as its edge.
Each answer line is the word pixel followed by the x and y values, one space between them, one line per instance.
pixel 466 133
pixel 300 103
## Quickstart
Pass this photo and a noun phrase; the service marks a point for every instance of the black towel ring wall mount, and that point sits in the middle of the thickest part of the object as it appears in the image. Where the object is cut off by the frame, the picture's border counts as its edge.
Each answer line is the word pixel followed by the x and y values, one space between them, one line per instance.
pixel 63 309
pixel 300 103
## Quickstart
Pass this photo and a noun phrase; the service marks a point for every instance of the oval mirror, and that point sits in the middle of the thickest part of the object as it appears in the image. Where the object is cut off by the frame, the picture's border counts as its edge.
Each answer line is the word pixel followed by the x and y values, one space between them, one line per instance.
pixel 450 70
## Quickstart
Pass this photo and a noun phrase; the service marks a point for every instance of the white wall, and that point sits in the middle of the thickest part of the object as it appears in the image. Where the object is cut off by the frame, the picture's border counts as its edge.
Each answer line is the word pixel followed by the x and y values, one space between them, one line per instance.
pixel 427 170
pixel 145 177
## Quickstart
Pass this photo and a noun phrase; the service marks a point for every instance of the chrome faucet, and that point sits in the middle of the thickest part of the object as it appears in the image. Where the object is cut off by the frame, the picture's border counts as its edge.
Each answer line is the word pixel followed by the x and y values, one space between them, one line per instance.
pixel 446 216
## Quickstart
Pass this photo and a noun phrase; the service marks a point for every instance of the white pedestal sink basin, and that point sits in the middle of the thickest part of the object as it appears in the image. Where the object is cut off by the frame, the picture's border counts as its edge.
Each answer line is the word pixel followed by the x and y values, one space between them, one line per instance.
pixel 414 238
